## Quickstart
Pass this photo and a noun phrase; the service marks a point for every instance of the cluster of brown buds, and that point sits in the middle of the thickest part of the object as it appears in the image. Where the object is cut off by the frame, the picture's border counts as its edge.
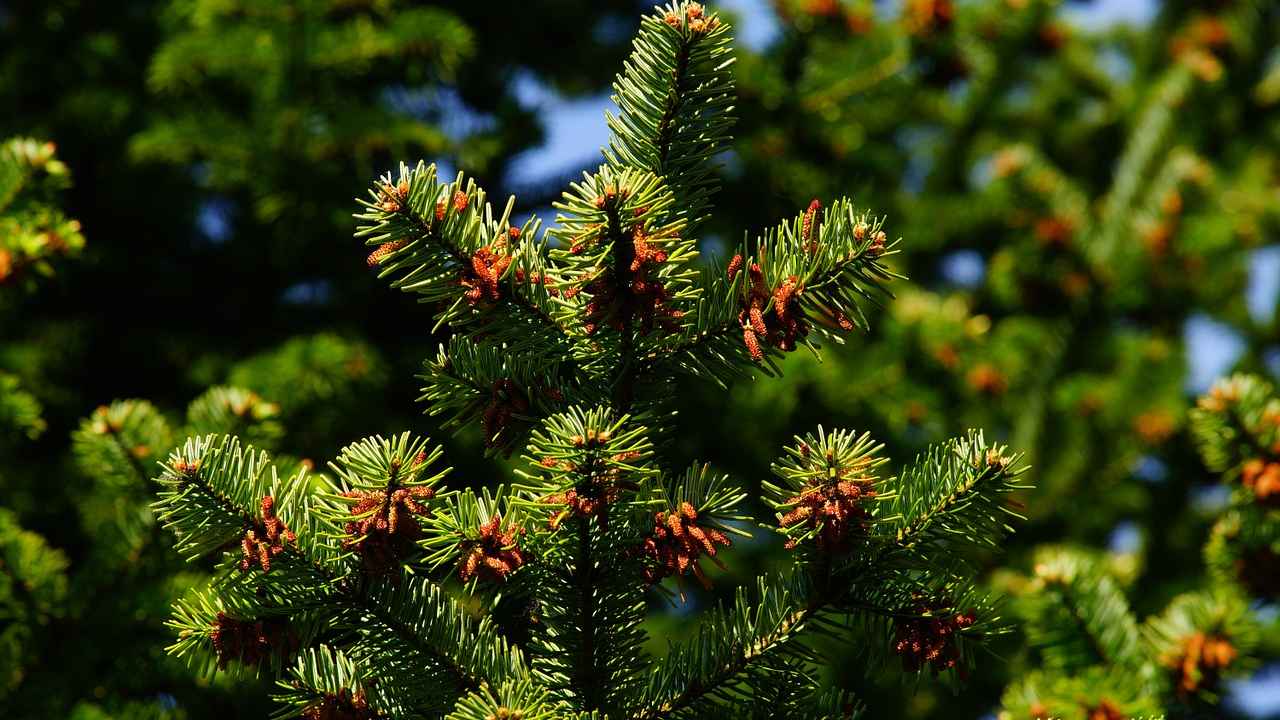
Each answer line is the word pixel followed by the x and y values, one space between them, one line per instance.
pixel 834 508
pixel 698 20
pixel 1199 661
pixel 481 277
pixel 187 469
pixel 628 293
pixel 878 239
pixel 1262 478
pixel 593 497
pixel 345 704
pixel 928 637
pixel 384 522
pixel 678 542
pixel 493 554
pixel 506 400
pixel 266 540
pixel 251 642
pixel 780 328
pixel 394 197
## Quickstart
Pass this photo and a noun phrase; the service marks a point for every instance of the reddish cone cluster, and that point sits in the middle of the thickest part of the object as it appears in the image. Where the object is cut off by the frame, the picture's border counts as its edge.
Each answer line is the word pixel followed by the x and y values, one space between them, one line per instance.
pixel 627 293
pixel 493 554
pixel 1199 662
pixel 837 509
pixel 699 21
pixel 342 705
pixel 677 542
pixel 265 541
pixel 394 197
pixel 385 522
pixel 593 497
pixel 505 400
pixel 485 271
pixel 930 639
pixel 377 256
pixel 878 240
pixel 1263 479
pixel 783 326
pixel 251 642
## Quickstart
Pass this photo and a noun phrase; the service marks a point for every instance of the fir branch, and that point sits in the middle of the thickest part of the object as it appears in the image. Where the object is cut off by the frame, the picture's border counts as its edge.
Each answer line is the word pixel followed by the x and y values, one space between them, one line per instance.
pixel 675 100
pixel 727 644
pixel 113 442
pixel 808 275
pixel 955 495
pixel 1079 617
pixel 443 242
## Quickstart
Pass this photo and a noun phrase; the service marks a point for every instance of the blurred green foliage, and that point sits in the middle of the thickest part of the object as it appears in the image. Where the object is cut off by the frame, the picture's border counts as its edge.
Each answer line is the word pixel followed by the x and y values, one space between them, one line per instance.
pixel 1101 188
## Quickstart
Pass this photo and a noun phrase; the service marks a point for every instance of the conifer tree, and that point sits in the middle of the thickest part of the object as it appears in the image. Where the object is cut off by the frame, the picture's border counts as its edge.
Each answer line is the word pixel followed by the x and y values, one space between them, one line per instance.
pixel 112 83
pixel 1096 660
pixel 373 589
pixel 1080 202
pixel 120 594
pixel 35 235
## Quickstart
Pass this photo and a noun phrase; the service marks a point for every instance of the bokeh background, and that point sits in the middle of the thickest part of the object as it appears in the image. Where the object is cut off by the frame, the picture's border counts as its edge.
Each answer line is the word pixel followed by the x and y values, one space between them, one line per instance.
pixel 1088 195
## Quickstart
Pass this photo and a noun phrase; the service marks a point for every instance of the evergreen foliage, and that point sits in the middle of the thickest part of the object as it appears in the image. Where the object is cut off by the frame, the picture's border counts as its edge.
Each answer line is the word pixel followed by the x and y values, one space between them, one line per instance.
pixel 389 594
pixel 122 590
pixel 1094 657
pixel 34 231
pixel 154 105
pixel 1082 201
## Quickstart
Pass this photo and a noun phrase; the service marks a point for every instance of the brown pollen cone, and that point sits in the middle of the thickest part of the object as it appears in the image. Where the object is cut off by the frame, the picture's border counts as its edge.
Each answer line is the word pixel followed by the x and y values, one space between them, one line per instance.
pixel 384 524
pixel 493 555
pixel 251 642
pixel 930 638
pixel 506 400
pixel 781 327
pixel 1263 479
pixel 482 276
pixel 266 540
pixel 677 542
pixel 836 508
pixel 1199 661
pixel 630 293
pixel 342 705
